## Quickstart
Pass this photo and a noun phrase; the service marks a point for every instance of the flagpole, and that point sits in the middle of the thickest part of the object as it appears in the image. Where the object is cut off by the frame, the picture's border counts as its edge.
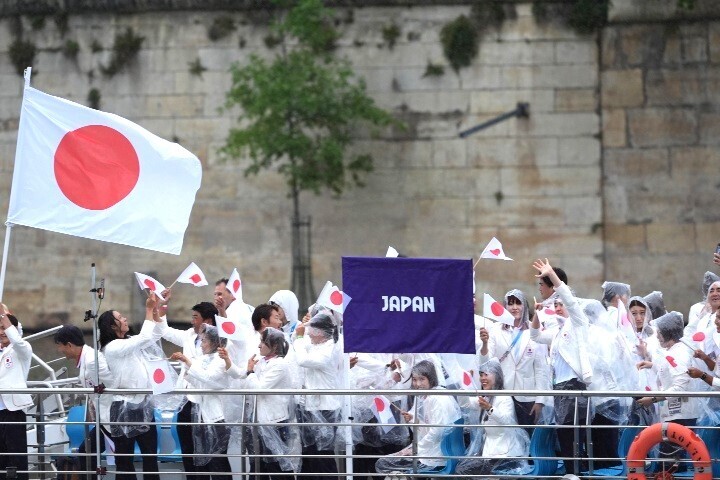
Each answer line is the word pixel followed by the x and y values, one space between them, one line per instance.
pixel 8 226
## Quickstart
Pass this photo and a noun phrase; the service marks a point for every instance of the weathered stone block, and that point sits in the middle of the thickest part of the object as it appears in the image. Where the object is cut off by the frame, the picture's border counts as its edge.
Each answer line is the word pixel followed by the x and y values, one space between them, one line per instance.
pixel 622 88
pixel 583 151
pixel 714 41
pixel 575 100
pixel 501 101
pixel 709 126
pixel 614 128
pixel 624 239
pixel 517 53
pixel 575 52
pixel 566 124
pixel 173 106
pixel 449 153
pixel 652 127
pixel 696 162
pixel 676 87
pixel 670 238
pixel 695 49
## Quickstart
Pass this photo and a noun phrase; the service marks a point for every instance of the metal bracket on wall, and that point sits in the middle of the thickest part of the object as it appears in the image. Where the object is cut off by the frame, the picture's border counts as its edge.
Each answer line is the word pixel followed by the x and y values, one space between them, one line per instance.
pixel 521 111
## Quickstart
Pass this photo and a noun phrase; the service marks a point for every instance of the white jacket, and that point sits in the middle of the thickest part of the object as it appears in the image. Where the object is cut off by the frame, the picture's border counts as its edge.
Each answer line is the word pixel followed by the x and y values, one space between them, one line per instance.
pixel 322 366
pixel 272 373
pixel 525 367
pixel 87 373
pixel 15 360
pixel 502 437
pixel 676 379
pixel 569 340
pixel 126 362
pixel 208 372
pixel 434 410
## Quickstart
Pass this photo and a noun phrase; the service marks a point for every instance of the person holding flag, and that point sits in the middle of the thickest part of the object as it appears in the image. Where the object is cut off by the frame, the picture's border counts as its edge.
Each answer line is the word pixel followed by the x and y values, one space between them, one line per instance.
pixel 568 359
pixel 210 437
pixel 523 361
pixel 672 372
pixel 430 410
pixel 503 439
pixel 191 342
pixel 288 304
pixel 272 412
pixel 16 355
pixel 127 364
pixel 318 353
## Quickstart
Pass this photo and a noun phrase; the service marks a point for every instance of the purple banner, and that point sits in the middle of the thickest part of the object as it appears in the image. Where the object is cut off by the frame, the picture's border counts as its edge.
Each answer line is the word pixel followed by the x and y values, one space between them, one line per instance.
pixel 408 305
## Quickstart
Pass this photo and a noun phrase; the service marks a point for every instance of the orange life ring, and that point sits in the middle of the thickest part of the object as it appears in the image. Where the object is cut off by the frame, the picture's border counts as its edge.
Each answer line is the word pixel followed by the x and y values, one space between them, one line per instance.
pixel 668 432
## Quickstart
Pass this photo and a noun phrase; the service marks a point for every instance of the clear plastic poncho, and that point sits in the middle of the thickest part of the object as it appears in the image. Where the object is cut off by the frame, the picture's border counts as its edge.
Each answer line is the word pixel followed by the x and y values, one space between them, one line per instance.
pixel 655 302
pixel 614 289
pixel 208 438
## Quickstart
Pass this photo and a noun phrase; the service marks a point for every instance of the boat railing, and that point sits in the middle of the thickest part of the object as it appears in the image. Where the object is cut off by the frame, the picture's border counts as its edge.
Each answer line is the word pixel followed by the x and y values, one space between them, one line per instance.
pixel 247 459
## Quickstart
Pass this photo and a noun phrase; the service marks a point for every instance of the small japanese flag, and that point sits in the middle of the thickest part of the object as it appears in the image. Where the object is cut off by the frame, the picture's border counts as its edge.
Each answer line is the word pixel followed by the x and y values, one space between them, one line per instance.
pixel 391 253
pixel 229 328
pixel 494 250
pixel 333 298
pixel 547 315
pixel 381 410
pixel 160 376
pixel 192 274
pixel 468 382
pixel 150 283
pixel 235 285
pixel 496 311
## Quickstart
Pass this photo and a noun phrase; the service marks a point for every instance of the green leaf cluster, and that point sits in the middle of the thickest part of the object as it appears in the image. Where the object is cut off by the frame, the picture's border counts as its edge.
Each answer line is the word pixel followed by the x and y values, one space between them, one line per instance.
pixel 301 110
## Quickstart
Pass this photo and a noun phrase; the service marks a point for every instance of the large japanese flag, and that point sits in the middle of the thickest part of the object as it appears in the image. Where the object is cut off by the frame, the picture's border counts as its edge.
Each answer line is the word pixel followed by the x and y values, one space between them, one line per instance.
pixel 96 175
pixel 162 380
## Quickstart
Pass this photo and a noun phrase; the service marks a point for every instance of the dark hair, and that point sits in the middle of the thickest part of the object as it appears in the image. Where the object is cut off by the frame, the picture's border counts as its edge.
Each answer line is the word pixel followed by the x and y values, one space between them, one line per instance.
pixel 222 280
pixel 262 312
pixel 106 322
pixel 561 275
pixel 70 334
pixel 426 368
pixel 206 310
pixel 13 319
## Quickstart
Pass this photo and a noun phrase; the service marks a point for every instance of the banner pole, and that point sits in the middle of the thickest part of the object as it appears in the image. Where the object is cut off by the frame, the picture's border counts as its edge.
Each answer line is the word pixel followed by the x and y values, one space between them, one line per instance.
pixel 8 226
pixel 347 410
pixel 6 248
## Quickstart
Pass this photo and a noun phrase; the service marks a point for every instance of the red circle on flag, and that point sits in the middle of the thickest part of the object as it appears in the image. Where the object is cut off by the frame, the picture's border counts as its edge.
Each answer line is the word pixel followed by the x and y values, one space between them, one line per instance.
pixel 496 309
pixel 698 336
pixel 236 286
pixel 96 167
pixel 466 379
pixel 158 375
pixel 495 251
pixel 549 311
pixel 228 327
pixel 195 278
pixel 149 284
pixel 336 298
pixel 379 404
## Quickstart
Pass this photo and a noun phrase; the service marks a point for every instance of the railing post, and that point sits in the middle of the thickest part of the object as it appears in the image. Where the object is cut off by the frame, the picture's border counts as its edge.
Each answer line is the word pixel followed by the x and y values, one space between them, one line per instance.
pixel 40 429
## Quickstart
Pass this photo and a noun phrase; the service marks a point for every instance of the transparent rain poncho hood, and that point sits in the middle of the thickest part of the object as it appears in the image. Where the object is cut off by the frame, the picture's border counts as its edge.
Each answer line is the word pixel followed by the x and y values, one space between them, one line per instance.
pixel 670 326
pixel 614 289
pixel 520 296
pixel 655 302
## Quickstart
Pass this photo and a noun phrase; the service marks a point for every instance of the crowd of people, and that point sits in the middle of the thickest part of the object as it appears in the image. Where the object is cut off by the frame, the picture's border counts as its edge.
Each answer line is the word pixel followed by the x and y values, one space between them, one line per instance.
pixel 559 342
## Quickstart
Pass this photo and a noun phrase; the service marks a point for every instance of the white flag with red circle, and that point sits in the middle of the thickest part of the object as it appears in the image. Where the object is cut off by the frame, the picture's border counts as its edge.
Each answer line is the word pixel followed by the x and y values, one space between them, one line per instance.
pixel 333 298
pixel 494 251
pixel 546 316
pixel 381 409
pixel 391 253
pixel 161 378
pixel 625 325
pixel 235 285
pixel 496 311
pixel 229 328
pixel 96 175
pixel 468 381
pixel 146 281
pixel 193 275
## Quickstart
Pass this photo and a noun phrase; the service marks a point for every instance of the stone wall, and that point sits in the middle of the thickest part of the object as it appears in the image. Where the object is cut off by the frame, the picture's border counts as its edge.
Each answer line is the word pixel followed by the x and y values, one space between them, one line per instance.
pixel 660 85
pixel 534 183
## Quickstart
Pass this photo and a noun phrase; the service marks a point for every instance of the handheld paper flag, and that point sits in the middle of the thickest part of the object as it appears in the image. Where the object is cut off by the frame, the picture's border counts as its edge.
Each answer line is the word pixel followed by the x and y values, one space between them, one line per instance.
pixel 229 328
pixel 332 298
pixel 160 376
pixel 496 311
pixel 235 285
pixel 494 250
pixel 146 281
pixel 381 410
pixel 192 274
pixel 391 253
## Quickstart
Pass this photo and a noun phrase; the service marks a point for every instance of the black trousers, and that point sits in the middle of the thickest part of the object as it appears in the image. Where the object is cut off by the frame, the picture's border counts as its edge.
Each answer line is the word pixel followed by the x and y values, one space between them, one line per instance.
pixel 318 465
pixel 90 462
pixel 13 441
pixel 187 446
pixel 522 413
pixel 565 415
pixel 605 440
pixel 147 442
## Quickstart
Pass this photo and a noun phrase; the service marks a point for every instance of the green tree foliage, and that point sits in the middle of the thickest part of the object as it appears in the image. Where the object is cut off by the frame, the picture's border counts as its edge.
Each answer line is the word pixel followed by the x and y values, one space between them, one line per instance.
pixel 300 111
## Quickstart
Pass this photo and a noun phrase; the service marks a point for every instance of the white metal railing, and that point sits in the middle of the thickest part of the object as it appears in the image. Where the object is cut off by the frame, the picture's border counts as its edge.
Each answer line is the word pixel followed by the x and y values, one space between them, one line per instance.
pixel 43 451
